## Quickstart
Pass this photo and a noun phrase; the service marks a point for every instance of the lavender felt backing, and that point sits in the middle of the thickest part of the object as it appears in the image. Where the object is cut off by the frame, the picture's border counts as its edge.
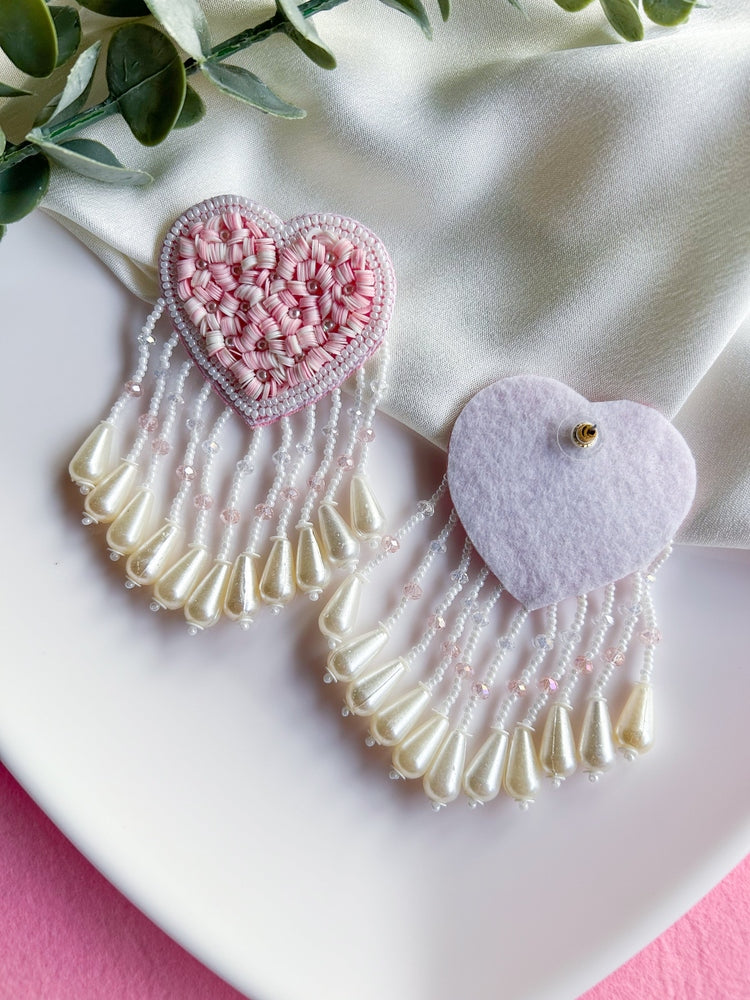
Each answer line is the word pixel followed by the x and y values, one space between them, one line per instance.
pixel 549 519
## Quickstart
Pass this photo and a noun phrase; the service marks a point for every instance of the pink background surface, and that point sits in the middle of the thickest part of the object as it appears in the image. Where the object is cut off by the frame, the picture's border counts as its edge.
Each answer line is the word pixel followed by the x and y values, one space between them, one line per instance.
pixel 69 935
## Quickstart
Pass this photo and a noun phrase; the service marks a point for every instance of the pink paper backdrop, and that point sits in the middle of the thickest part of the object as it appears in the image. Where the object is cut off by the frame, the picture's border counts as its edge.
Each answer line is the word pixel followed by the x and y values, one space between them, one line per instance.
pixel 67 934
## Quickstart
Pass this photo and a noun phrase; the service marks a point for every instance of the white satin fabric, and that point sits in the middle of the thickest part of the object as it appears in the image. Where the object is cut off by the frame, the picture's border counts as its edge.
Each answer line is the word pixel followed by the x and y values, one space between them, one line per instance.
pixel 555 201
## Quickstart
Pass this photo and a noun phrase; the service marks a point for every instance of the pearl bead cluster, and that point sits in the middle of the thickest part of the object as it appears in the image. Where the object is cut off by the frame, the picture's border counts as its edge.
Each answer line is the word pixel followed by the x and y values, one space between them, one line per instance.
pixel 433 744
pixel 183 574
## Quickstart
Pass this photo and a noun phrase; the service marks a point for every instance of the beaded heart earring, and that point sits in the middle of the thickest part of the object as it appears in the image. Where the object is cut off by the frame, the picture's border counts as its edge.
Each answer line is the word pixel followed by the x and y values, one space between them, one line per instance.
pixel 273 317
pixel 568 509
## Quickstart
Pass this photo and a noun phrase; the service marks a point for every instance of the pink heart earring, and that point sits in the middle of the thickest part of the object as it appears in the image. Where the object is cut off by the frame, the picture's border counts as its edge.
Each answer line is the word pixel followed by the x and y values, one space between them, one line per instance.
pixel 275 317
pixel 568 509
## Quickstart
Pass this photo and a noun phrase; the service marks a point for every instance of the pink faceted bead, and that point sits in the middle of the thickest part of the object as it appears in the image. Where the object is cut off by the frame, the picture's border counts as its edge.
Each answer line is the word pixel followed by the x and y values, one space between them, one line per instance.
pixel 160 446
pixel 185 472
pixel 230 515
pixel 345 462
pixel 264 511
pixel 390 544
pixel 436 621
pixel 584 664
pixel 148 422
pixel 316 484
pixel 133 388
pixel 481 690
pixel 463 669
pixel 449 648
pixel 203 501
pixel 650 636
pixel 412 590
pixel 516 687
pixel 366 434
pixel 614 656
pixel 289 493
pixel 548 684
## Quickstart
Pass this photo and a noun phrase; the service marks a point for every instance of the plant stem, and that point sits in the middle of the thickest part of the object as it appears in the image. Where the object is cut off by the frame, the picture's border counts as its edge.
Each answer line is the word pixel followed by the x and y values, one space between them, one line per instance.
pixel 225 49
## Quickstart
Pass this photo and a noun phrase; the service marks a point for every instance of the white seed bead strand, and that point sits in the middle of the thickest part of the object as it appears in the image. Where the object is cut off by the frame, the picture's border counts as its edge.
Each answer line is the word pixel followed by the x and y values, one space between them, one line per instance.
pixel 650 625
pixel 161 374
pixel 425 509
pixel 620 648
pixel 331 431
pixel 188 456
pixel 281 458
pixel 174 400
pixel 504 645
pixel 571 640
pixel 449 597
pixel 303 450
pixel 480 622
pixel 345 462
pixel 527 675
pixel 145 343
pixel 201 520
pixel 451 640
pixel 421 570
pixel 366 434
pixel 241 472
pixel 603 624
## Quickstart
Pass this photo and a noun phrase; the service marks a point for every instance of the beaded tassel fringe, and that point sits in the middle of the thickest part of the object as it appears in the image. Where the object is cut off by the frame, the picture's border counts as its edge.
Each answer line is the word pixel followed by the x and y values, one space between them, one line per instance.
pixel 492 698
pixel 199 519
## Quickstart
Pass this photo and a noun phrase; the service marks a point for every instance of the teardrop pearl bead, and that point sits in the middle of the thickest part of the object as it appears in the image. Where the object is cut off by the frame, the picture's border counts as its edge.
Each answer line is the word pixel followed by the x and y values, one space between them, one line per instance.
pixel 522 772
pixel 126 532
pixel 349 659
pixel 366 514
pixel 110 495
pixel 339 544
pixel 483 778
pixel 277 584
pixel 635 727
pixel 94 457
pixel 557 753
pixel 416 751
pixel 442 782
pixel 203 607
pixel 368 692
pixel 596 746
pixel 393 722
pixel 174 586
pixel 339 616
pixel 242 599
pixel 149 561
pixel 312 571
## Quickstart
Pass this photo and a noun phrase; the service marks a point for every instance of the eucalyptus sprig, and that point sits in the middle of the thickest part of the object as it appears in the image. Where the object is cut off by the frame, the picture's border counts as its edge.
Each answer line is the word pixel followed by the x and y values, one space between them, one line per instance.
pixel 146 75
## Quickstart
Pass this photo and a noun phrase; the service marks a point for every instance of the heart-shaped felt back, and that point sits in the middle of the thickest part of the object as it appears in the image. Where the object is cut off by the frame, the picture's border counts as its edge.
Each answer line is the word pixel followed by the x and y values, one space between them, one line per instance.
pixel 275 314
pixel 552 520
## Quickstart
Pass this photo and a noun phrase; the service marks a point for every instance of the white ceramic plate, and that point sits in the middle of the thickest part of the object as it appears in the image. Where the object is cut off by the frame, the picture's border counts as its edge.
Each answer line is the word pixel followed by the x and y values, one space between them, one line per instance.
pixel 213 781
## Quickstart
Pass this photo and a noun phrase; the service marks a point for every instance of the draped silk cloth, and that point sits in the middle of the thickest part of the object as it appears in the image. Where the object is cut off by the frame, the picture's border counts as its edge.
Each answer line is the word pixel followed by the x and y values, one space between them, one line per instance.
pixel 555 201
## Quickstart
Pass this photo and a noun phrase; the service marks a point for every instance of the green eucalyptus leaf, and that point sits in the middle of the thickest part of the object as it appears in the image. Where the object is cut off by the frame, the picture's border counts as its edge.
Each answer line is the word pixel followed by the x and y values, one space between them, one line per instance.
pixel 3 231
pixel 27 36
pixel 445 9
pixel 572 5
pixel 116 8
pixel 413 9
pixel 146 76
pixel 668 12
pixel 193 109
pixel 246 86
pixel 7 91
pixel 624 17
pixel 77 84
pixel 185 21
pixel 22 187
pixel 313 46
pixel 94 160
pixel 68 30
